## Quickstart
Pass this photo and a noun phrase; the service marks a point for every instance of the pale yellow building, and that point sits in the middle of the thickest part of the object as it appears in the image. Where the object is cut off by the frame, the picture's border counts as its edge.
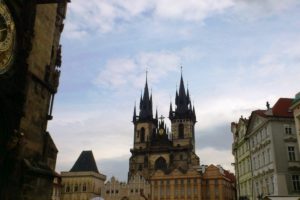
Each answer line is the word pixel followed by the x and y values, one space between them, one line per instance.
pixel 83 181
pixel 136 189
pixel 242 159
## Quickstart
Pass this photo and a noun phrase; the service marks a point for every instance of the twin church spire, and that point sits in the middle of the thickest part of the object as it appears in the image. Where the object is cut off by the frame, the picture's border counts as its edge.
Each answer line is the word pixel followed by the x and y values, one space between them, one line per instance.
pixel 184 108
pixel 183 104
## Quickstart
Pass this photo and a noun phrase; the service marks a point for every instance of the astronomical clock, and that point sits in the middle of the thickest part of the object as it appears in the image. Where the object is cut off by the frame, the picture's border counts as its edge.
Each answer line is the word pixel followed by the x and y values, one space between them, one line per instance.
pixel 7 38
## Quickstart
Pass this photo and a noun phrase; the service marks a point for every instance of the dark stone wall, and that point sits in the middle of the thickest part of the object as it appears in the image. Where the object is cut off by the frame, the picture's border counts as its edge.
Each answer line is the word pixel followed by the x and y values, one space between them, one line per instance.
pixel 27 89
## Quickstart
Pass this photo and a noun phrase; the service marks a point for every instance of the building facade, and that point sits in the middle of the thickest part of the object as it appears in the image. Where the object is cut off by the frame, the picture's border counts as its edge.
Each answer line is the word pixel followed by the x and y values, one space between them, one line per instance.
pixel 83 181
pixel 241 152
pixel 167 159
pixel 137 188
pixel 274 152
pixel 296 110
pixel 30 57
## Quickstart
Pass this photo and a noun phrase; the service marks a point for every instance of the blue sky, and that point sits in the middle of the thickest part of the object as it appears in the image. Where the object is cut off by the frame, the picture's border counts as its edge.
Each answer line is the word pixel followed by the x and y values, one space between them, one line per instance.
pixel 236 55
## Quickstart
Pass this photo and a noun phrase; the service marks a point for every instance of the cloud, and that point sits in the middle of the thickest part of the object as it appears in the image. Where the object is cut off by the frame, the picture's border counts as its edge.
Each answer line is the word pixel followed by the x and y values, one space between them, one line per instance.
pixel 87 17
pixel 211 155
pixel 121 72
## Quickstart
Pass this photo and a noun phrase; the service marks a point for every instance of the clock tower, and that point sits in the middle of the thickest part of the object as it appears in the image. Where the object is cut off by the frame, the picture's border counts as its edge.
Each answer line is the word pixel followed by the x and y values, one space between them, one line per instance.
pixel 30 58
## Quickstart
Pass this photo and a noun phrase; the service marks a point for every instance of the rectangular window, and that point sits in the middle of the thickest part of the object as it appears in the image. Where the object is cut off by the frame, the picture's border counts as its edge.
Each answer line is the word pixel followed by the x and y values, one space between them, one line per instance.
pixel 272 185
pixel 268 156
pixel 176 188
pixel 291 152
pixel 267 185
pixel 288 129
pixel 296 182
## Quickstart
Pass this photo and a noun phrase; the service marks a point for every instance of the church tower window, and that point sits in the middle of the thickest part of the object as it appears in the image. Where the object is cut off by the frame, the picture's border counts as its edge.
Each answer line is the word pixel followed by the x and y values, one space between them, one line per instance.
pixel 181 131
pixel 142 135
pixel 160 163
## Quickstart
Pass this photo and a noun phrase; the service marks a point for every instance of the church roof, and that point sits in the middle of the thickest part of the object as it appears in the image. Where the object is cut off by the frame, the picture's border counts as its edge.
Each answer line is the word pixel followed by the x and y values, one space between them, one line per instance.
pixel 85 163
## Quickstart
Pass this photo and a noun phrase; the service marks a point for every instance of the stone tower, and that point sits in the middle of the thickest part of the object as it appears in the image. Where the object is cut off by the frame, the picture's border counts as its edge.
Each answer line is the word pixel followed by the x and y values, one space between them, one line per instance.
pixel 155 148
pixel 183 119
pixel 30 57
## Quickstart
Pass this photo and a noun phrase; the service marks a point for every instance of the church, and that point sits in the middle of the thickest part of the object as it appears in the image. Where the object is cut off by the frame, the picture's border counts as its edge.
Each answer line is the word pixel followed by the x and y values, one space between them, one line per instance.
pixel 167 159
pixel 163 163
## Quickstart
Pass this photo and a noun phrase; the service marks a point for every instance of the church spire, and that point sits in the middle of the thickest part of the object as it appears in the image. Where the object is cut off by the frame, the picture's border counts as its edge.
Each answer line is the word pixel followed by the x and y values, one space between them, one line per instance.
pixel 183 103
pixel 146 112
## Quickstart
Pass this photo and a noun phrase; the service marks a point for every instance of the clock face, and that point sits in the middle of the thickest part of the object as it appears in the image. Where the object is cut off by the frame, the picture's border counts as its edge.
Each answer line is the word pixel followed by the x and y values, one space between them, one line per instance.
pixel 7 38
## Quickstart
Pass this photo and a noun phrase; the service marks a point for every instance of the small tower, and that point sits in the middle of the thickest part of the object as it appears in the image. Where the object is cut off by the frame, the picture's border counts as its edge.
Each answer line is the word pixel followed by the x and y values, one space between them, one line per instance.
pixel 183 119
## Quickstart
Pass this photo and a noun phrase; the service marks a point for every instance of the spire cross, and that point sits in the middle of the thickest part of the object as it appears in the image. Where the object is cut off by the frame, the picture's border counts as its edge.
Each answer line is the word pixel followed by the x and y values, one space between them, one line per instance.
pixel 161 117
pixel 181 68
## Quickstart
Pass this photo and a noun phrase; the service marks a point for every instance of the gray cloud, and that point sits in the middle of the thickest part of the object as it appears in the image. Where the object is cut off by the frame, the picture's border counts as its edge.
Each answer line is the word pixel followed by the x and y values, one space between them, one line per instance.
pixel 218 137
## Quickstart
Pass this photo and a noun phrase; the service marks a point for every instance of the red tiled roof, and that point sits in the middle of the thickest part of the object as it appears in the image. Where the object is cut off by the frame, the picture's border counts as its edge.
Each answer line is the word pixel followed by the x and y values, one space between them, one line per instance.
pixel 229 175
pixel 282 108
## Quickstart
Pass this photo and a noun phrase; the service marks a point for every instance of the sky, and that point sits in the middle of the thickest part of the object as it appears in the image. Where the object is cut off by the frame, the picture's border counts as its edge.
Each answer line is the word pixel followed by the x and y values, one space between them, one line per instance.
pixel 236 55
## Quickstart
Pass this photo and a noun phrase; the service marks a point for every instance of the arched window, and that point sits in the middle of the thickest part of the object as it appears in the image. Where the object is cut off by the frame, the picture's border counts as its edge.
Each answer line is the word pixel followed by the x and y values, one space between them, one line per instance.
pixel 160 163
pixel 84 187
pixel 181 131
pixel 142 135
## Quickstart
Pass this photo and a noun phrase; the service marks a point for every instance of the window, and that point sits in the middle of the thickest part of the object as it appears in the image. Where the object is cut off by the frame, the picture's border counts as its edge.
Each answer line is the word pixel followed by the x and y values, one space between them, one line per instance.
pixel 272 185
pixel 288 129
pixel 296 182
pixel 76 188
pixel 291 152
pixel 267 185
pixel 160 163
pixel 181 131
pixel 176 189
pixel 68 188
pixel 84 187
pixel 142 135
pixel 268 156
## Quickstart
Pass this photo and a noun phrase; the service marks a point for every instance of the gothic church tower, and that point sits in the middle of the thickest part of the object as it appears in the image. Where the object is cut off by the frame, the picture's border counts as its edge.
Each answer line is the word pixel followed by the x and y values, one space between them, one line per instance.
pixel 155 148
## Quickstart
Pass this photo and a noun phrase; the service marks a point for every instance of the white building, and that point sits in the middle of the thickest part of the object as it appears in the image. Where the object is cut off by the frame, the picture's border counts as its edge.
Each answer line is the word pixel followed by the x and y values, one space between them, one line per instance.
pixel 274 151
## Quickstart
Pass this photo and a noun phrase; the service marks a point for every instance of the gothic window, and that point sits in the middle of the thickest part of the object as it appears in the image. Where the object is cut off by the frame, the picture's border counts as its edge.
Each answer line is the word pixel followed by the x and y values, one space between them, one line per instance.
pixel 160 163
pixel 142 135
pixel 181 131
